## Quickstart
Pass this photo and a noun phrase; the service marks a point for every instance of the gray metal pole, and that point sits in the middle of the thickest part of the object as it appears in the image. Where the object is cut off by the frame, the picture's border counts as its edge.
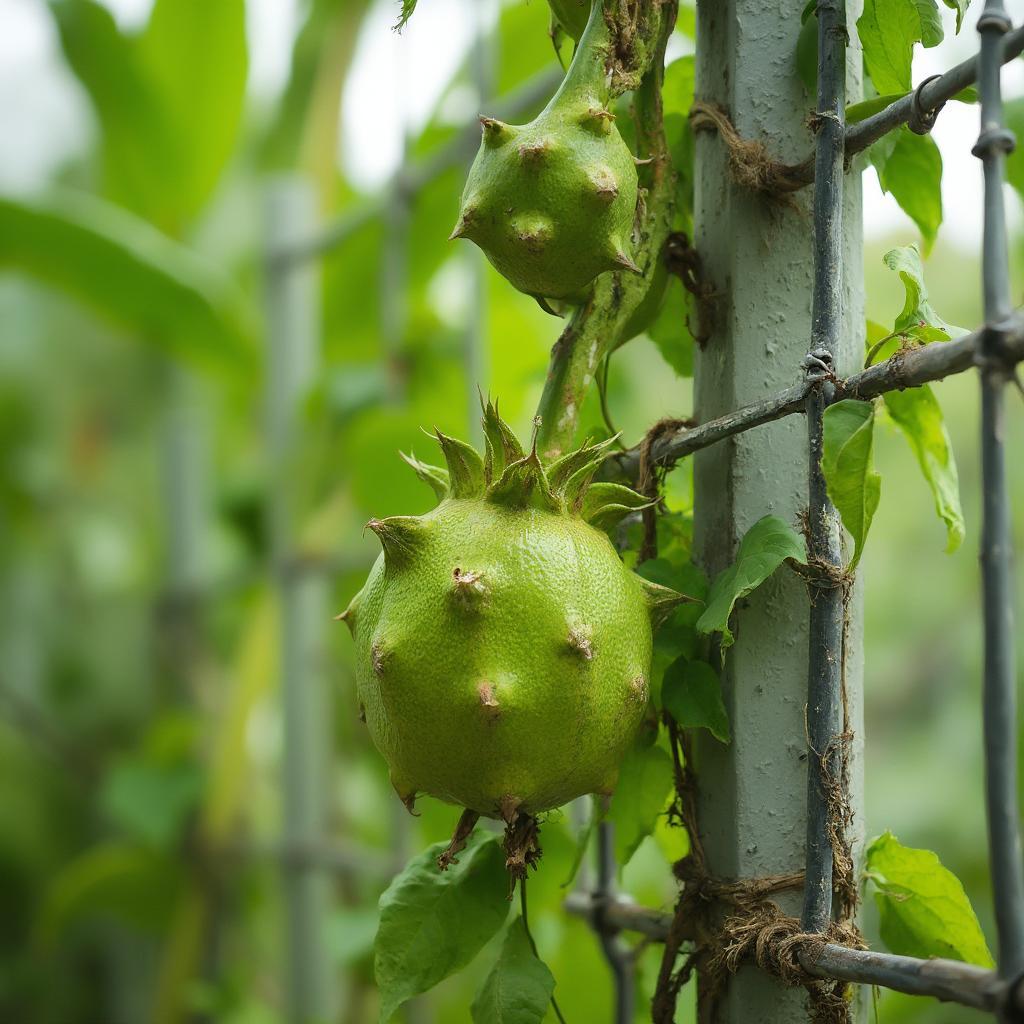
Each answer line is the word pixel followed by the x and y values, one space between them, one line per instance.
pixel 293 346
pixel 759 260
pixel 1000 690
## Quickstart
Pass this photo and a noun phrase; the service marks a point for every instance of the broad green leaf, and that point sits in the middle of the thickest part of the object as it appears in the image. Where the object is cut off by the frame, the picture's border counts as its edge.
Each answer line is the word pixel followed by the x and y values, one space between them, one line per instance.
pixel 888 30
pixel 127 271
pixel 119 880
pixel 766 545
pixel 910 167
pixel 518 989
pixel 194 53
pixel 432 922
pixel 138 150
pixel 917 413
pixel 645 781
pixel 853 485
pixel 151 801
pixel 923 907
pixel 692 695
pixel 917 309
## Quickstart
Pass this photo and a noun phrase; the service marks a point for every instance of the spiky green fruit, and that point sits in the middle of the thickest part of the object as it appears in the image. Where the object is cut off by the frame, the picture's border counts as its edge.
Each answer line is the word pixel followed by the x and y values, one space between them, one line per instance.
pixel 552 202
pixel 503 649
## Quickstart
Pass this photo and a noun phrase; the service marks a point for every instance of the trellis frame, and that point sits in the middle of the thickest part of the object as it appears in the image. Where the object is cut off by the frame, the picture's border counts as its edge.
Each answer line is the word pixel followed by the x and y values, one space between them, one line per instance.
pixel 995 348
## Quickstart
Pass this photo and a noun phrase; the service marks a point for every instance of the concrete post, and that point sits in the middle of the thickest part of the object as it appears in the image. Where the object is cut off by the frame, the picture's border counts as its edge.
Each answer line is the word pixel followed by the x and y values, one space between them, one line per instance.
pixel 293 352
pixel 758 257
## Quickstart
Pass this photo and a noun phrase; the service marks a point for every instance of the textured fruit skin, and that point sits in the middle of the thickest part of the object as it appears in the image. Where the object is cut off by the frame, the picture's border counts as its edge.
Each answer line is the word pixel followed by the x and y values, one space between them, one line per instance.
pixel 503 649
pixel 552 203
pixel 476 704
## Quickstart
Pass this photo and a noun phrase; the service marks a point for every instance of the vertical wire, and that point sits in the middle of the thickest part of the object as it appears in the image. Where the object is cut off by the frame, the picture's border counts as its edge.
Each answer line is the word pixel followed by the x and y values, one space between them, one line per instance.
pixel 999 699
pixel 825 653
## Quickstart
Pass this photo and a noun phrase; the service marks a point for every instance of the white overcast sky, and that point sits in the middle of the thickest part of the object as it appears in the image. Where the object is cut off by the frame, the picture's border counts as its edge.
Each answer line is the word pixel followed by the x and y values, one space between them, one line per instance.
pixel 397 79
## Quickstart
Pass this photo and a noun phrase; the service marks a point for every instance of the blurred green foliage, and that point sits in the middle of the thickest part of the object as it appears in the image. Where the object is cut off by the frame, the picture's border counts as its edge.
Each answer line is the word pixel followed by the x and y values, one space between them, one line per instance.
pixel 140 735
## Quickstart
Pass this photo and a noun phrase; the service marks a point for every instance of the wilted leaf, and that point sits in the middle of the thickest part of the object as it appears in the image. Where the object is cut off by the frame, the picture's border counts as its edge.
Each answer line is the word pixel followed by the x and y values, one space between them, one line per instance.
pixel 853 485
pixel 924 909
pixel 692 694
pixel 432 922
pixel 917 309
pixel 645 781
pixel 917 413
pixel 766 545
pixel 518 989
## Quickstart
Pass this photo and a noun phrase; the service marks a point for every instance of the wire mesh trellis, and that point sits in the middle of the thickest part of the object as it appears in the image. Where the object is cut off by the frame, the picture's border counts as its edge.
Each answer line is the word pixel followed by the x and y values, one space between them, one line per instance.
pixel 995 349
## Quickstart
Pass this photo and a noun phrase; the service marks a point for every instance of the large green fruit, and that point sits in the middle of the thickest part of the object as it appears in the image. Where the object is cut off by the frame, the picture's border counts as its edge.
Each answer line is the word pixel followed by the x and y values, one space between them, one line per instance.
pixel 552 203
pixel 503 649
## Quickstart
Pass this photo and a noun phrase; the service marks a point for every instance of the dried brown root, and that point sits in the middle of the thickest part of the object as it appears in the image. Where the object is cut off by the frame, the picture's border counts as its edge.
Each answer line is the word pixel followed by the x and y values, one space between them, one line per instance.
pixel 522 848
pixel 463 830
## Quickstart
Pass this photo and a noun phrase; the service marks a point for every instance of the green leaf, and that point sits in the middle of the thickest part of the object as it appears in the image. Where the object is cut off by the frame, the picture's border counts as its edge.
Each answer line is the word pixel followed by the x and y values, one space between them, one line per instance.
pixel 432 922
pixel 518 989
pixel 138 151
pixel 909 167
pixel 807 54
pixel 853 485
pixel 129 272
pixel 670 331
pixel 692 694
pixel 111 880
pixel 888 30
pixel 766 545
pixel 408 7
pixel 194 52
pixel 866 108
pixel 645 781
pixel 960 6
pixel 923 907
pixel 917 309
pixel 1013 111
pixel 917 413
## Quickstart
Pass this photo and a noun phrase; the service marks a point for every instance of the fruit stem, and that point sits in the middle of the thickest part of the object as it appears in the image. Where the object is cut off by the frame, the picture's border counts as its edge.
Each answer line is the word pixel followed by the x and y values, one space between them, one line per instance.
pixel 587 80
pixel 597 327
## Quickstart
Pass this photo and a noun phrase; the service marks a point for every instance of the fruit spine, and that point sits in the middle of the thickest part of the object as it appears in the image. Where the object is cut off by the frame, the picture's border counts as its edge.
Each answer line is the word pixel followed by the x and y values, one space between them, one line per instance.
pixel 552 203
pixel 503 649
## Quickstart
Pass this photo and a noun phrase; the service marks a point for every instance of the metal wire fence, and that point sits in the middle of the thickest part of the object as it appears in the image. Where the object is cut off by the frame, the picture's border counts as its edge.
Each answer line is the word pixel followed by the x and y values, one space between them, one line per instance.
pixel 994 350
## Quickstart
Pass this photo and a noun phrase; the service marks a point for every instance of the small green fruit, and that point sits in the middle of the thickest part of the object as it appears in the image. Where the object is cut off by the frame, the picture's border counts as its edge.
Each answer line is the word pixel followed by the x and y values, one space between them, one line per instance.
pixel 503 649
pixel 552 203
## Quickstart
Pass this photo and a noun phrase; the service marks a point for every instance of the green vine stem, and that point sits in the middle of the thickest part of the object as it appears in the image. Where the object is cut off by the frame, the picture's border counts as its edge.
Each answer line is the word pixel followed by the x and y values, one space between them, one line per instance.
pixel 602 323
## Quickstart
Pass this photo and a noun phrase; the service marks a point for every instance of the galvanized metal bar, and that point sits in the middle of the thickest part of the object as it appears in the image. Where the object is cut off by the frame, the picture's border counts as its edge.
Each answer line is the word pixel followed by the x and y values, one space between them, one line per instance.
pixel 948 980
pixel 824 550
pixel 1000 695
pixel 292 355
pixel 905 370
pixel 932 95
